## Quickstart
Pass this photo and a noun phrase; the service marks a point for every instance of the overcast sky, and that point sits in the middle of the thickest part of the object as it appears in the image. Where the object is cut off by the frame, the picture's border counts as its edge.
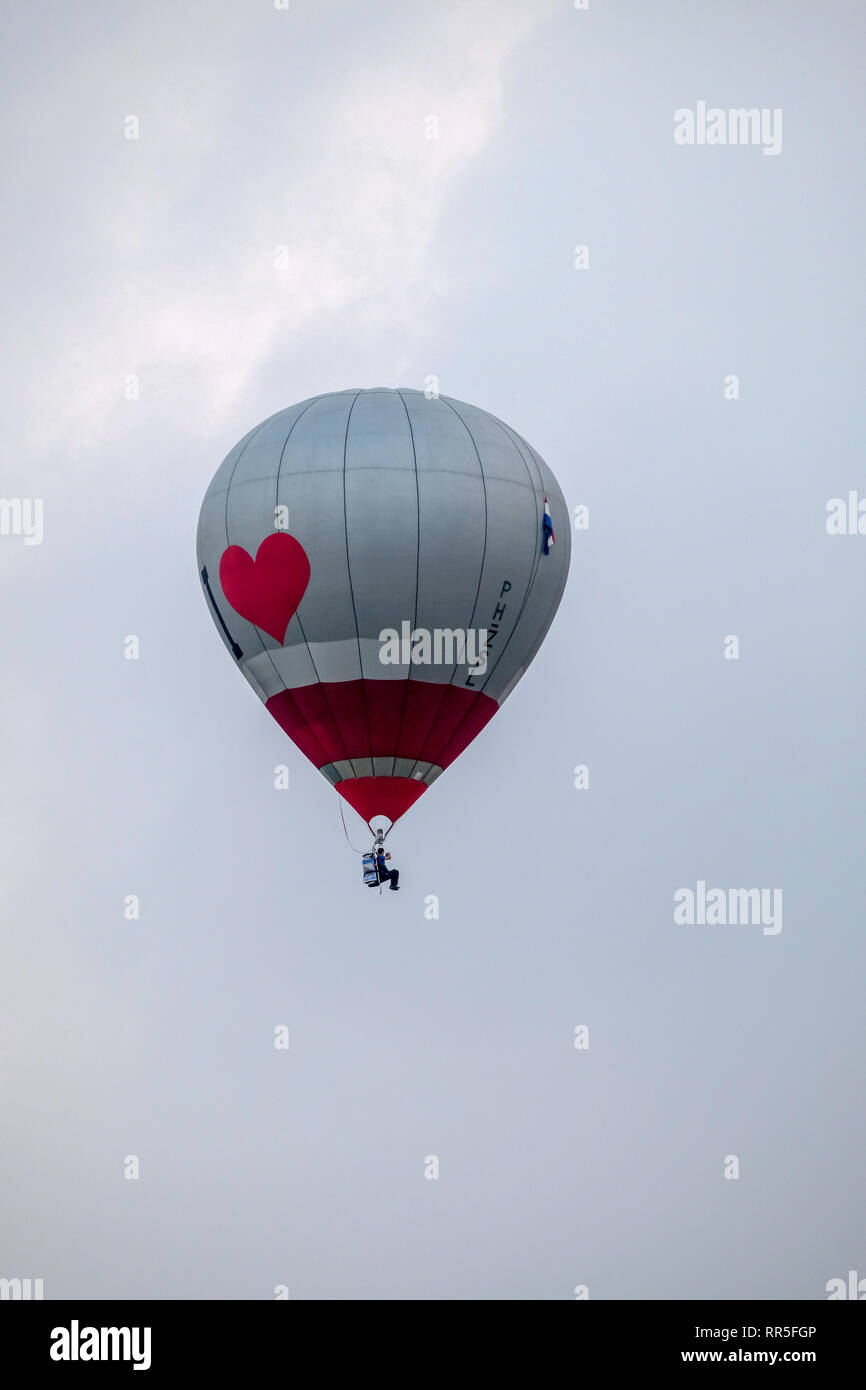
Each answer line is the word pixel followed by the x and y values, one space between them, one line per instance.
pixel 157 259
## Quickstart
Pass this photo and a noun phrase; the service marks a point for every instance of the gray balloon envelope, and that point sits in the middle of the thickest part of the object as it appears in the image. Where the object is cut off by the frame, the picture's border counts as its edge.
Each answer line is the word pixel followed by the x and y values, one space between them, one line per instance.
pixel 383 566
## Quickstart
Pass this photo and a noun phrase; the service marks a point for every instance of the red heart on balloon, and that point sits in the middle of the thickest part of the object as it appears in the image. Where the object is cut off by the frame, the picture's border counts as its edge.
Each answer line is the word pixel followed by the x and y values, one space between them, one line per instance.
pixel 266 590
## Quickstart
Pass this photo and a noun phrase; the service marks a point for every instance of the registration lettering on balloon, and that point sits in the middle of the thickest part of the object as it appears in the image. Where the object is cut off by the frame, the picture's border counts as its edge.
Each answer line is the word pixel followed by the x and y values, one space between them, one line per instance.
pixel 404 508
pixel 495 621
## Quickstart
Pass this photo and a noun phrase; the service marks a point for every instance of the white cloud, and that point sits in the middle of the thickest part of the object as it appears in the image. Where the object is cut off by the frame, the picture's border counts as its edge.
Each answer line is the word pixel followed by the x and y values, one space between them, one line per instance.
pixel 359 201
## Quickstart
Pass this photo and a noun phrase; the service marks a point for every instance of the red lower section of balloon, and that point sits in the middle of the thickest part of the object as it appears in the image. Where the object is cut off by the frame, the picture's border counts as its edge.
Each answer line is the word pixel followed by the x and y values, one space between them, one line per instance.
pixel 345 720
pixel 381 796
pixel 382 719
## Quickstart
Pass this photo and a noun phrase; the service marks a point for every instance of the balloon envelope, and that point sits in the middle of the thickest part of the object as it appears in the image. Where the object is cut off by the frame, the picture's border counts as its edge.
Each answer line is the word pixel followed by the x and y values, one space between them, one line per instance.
pixel 340 531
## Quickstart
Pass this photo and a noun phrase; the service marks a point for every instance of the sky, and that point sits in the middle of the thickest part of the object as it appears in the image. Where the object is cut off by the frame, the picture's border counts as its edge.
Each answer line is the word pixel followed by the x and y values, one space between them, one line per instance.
pixel 335 196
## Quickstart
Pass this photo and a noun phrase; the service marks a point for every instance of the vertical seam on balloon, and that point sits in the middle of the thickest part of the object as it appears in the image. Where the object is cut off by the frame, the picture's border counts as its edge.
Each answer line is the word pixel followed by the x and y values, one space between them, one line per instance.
pixel 560 588
pixel 265 649
pixel 533 572
pixel 253 435
pixel 349 573
pixel 417 581
pixel 300 717
pixel 296 614
pixel 563 579
pixel 444 401
pixel 554 605
pixel 270 650
pixel 548 618
pixel 309 406
pixel 538 515
pixel 534 569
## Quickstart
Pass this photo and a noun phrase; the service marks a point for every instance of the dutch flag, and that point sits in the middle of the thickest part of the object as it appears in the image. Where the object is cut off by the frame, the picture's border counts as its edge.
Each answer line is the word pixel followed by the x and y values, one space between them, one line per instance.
pixel 546 530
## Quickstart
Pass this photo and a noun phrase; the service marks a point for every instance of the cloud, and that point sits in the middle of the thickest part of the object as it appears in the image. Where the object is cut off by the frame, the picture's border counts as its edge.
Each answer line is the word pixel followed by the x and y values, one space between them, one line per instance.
pixel 185 286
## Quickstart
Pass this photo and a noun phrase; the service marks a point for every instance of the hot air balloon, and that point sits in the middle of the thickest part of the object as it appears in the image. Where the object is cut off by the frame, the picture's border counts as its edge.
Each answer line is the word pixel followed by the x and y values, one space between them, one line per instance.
pixel 341 530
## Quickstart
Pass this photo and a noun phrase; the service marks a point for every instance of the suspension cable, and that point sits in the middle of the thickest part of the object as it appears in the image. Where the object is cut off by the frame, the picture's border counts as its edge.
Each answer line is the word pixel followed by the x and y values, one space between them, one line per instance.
pixel 346 833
